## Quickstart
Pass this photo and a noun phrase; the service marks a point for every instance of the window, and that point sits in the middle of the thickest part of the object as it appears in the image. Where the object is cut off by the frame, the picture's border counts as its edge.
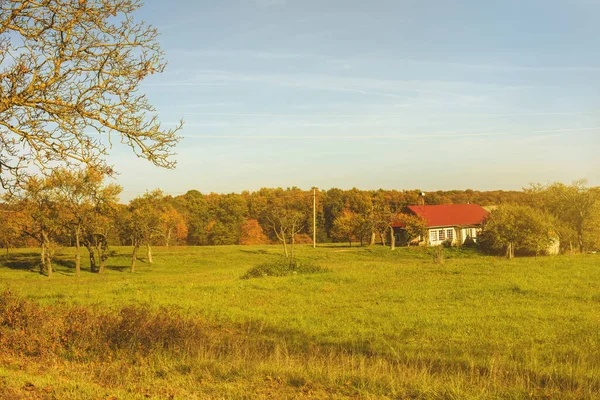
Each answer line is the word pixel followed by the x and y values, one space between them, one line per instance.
pixel 450 234
pixel 433 236
pixel 442 235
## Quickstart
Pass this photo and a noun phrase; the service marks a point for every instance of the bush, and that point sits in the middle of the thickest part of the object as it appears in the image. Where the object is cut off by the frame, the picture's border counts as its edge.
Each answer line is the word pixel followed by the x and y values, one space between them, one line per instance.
pixel 284 267
pixel 439 256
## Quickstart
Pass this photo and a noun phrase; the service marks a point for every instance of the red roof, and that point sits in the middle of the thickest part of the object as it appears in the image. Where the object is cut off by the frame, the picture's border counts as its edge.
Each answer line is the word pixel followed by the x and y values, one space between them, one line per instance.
pixel 450 214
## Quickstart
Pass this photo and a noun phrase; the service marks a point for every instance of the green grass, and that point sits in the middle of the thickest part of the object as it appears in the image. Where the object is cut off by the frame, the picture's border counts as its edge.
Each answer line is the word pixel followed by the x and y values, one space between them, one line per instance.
pixel 378 324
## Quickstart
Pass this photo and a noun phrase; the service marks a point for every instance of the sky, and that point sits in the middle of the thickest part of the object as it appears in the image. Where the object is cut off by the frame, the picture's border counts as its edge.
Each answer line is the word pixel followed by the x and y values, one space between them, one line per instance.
pixel 434 95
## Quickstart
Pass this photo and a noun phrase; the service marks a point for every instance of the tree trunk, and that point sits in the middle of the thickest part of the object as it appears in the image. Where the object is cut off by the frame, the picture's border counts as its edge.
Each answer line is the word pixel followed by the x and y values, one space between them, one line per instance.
pixel 382 237
pixel 88 246
pixel 101 247
pixel 43 258
pixel 134 256
pixel 372 242
pixel 49 264
pixel 510 251
pixel 149 253
pixel 292 245
pixel 46 255
pixel 284 240
pixel 77 255
pixel 168 237
pixel 102 258
pixel 392 239
pixel 580 241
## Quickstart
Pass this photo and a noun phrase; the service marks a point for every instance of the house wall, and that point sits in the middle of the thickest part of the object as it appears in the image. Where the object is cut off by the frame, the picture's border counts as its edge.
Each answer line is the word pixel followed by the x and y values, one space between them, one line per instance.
pixel 554 247
pixel 433 237
pixel 469 232
pixel 437 236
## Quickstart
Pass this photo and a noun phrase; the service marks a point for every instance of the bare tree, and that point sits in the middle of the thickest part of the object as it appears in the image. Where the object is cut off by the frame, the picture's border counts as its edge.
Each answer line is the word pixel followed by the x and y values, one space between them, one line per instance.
pixel 69 75
pixel 286 223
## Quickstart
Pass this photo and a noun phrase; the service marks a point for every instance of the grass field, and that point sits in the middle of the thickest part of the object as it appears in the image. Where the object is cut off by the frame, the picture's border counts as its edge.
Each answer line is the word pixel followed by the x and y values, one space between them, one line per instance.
pixel 378 324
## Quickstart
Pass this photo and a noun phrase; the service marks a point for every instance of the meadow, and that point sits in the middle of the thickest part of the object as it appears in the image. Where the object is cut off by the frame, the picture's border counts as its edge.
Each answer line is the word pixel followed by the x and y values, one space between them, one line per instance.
pixel 376 324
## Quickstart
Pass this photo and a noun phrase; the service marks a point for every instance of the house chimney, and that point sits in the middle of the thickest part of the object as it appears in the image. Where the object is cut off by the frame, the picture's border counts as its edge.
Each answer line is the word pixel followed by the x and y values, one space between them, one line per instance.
pixel 422 199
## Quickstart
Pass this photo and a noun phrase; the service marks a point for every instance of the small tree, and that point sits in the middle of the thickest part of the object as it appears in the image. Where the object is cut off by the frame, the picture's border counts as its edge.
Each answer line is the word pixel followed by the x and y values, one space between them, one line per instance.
pixel 286 222
pixel 88 203
pixel 514 228
pixel 414 226
pixel 144 222
pixel 345 226
pixel 42 216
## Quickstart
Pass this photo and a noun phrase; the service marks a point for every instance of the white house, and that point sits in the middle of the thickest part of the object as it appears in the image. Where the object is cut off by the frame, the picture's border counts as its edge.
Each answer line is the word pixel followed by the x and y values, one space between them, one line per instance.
pixel 453 223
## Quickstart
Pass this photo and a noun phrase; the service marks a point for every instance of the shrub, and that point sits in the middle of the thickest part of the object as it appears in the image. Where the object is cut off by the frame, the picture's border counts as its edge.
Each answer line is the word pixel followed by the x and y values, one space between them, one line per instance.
pixel 438 255
pixel 283 267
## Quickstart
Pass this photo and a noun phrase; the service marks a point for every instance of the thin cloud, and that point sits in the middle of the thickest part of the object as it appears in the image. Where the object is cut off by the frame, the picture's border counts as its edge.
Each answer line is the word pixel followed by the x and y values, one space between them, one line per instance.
pixel 348 62
pixel 271 3
pixel 408 136
pixel 210 105
pixel 221 114
pixel 390 88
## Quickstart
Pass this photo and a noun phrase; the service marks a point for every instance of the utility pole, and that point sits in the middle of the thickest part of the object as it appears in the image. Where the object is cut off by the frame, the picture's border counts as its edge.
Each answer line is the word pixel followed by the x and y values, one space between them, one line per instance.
pixel 314 217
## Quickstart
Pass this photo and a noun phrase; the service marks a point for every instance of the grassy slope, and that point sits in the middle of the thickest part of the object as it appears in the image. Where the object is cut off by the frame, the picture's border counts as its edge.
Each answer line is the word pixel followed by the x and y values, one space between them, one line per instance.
pixel 381 323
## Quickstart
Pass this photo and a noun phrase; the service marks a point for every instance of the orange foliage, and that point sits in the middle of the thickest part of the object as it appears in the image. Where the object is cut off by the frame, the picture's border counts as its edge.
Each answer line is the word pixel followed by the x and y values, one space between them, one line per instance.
pixel 252 233
pixel 302 238
pixel 173 225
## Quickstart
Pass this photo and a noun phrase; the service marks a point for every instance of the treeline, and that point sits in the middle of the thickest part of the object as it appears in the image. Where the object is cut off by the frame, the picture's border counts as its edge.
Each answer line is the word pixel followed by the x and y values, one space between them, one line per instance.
pixel 244 218
pixel 70 207
pixel 80 209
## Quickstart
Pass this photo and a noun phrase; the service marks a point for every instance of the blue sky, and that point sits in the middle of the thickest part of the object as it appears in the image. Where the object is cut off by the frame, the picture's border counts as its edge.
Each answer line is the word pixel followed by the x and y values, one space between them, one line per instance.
pixel 369 94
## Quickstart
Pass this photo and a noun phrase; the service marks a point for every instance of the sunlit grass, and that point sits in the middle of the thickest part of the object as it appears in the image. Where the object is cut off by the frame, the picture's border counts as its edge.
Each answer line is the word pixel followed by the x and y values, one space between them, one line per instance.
pixel 377 324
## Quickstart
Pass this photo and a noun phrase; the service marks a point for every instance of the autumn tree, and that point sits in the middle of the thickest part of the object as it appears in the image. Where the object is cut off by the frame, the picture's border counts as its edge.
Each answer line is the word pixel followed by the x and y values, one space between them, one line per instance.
pixel 252 233
pixel 514 228
pixel 69 78
pixel 383 217
pixel 88 207
pixel 10 231
pixel 144 222
pixel 96 235
pixel 37 202
pixel 195 209
pixel 352 226
pixel 227 216
pixel 344 226
pixel 414 226
pixel 575 206
pixel 173 225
